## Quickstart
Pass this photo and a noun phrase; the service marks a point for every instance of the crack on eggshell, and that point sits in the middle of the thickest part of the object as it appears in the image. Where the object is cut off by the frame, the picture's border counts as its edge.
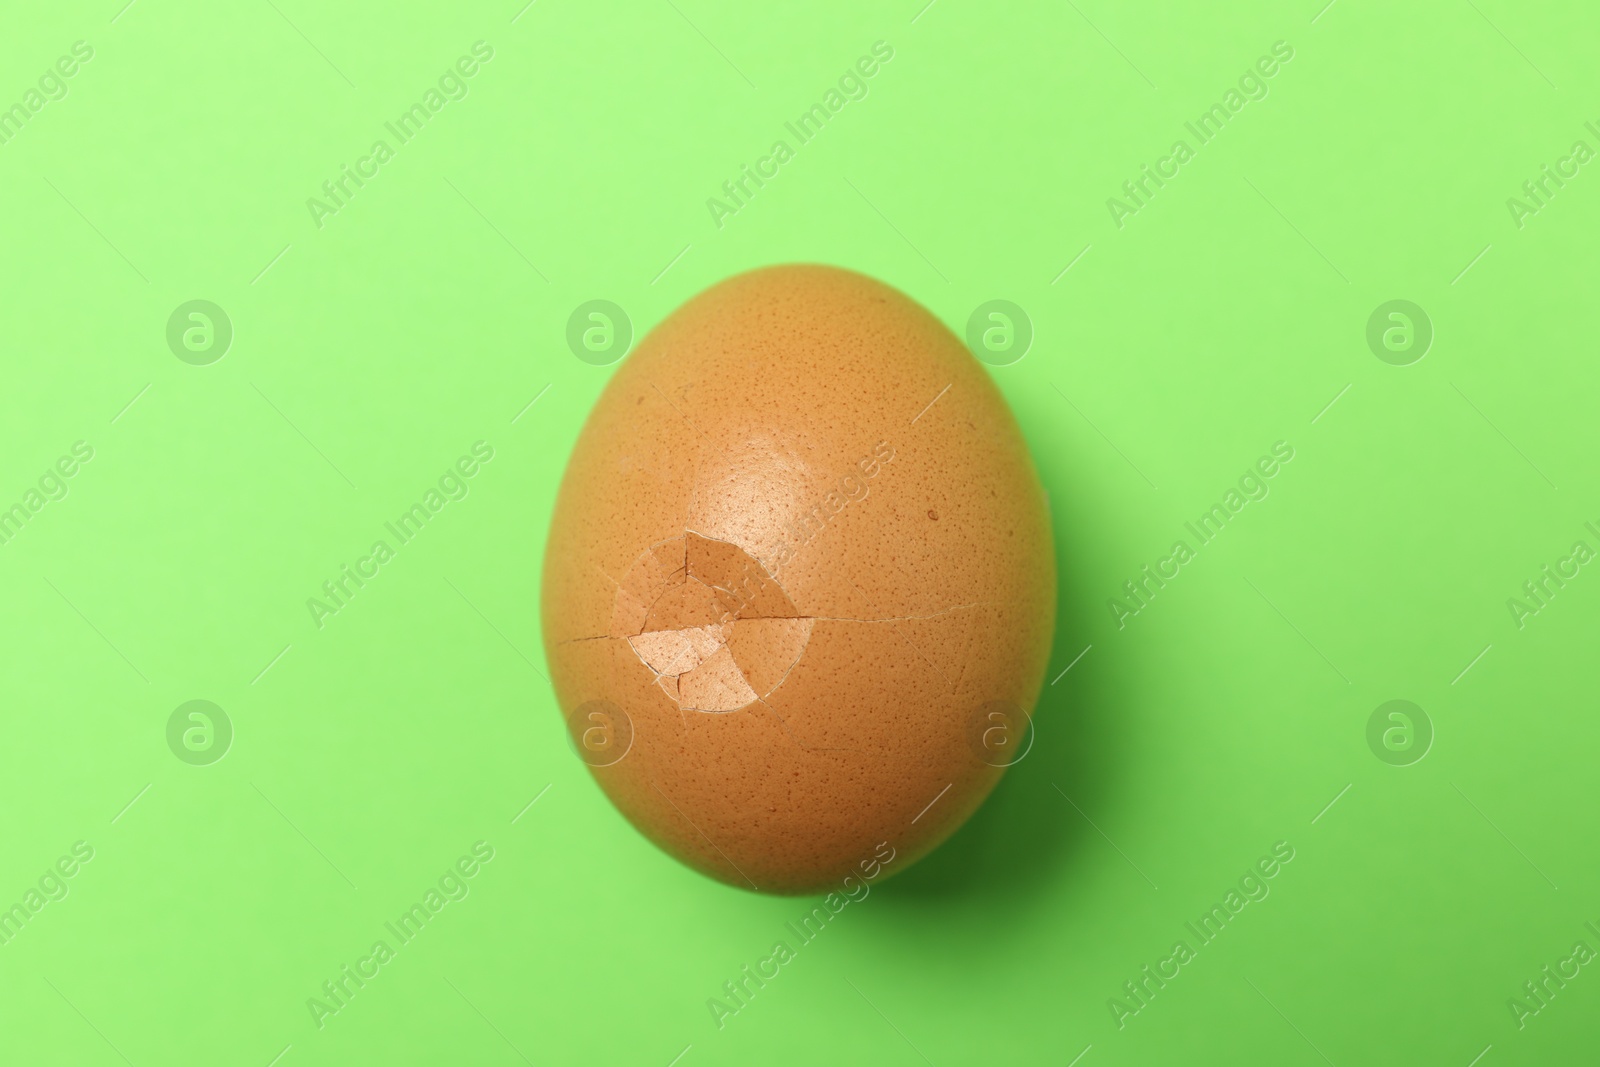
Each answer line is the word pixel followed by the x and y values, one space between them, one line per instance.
pixel 901 634
pixel 691 610
pixel 823 618
pixel 910 618
pixel 715 628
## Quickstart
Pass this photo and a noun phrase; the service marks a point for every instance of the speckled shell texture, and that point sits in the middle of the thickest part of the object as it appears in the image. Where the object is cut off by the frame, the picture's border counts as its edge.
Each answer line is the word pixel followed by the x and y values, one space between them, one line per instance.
pixel 801 547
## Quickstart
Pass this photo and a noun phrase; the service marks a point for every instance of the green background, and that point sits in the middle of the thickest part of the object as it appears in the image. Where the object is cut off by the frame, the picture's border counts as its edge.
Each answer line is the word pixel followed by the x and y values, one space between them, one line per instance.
pixel 368 354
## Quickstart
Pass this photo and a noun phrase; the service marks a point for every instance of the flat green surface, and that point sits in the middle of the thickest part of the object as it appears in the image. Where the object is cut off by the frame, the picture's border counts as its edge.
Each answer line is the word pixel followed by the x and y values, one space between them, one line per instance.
pixel 1174 345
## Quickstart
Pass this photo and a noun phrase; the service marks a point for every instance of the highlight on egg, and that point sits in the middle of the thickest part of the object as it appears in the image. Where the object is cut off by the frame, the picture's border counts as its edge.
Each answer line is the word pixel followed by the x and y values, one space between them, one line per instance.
pixel 799 587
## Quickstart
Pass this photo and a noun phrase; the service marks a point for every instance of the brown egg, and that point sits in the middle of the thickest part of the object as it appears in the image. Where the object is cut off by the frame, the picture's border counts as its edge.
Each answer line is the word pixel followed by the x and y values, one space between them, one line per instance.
pixel 799 586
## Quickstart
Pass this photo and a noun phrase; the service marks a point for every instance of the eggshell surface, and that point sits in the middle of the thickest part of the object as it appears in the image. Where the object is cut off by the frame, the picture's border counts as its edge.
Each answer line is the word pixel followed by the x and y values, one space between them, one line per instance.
pixel 799 587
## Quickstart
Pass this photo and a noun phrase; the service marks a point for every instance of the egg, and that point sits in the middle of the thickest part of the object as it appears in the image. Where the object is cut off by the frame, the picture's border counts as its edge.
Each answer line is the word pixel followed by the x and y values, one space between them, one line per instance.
pixel 799 586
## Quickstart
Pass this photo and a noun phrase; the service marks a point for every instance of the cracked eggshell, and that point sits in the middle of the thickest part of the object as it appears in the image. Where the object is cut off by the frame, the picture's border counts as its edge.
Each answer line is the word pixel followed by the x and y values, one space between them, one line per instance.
pixel 799 586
